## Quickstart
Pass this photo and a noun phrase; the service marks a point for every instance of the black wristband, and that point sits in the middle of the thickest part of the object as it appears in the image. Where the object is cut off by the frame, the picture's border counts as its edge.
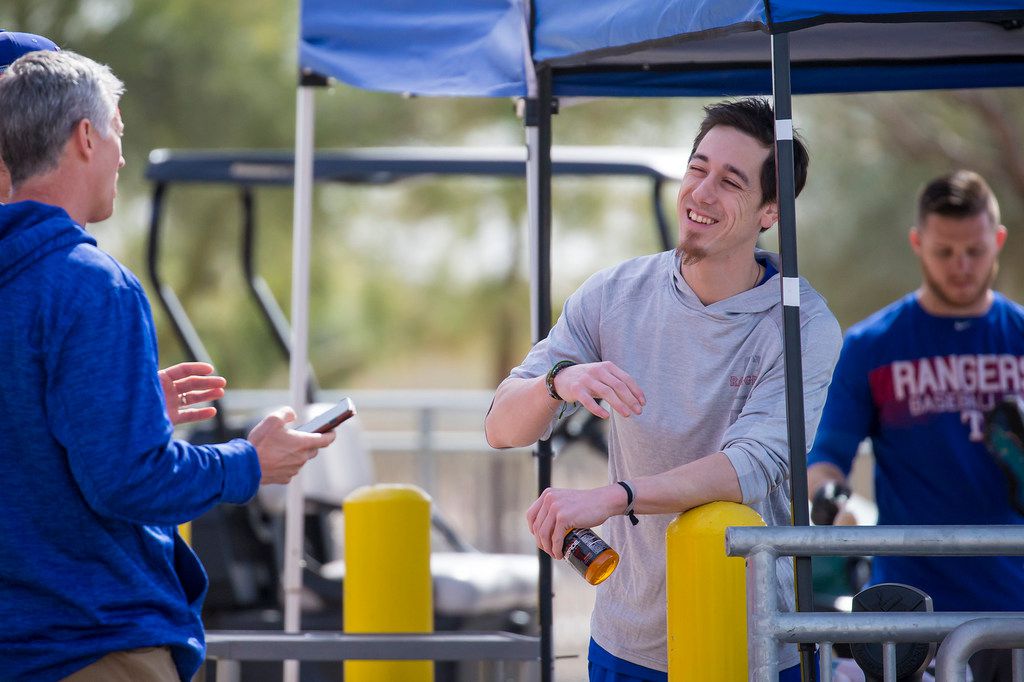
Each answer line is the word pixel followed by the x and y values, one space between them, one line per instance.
pixel 630 497
pixel 552 373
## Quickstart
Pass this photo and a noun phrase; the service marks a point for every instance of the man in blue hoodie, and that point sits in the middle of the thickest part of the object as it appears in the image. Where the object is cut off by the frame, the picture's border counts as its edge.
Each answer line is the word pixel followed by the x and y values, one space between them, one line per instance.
pixel 94 582
pixel 186 384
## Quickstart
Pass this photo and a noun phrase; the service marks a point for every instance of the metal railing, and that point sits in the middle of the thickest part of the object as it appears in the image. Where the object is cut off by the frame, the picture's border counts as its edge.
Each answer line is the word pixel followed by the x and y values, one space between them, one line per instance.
pixel 965 633
pixel 975 635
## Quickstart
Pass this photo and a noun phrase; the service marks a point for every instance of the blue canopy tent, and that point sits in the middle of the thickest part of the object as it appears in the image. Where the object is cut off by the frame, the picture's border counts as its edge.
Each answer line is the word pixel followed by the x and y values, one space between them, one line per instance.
pixel 491 48
pixel 543 50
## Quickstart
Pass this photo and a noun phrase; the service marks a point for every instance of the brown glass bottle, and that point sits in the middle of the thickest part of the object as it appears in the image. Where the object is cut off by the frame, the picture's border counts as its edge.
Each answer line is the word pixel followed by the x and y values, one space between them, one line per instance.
pixel 589 555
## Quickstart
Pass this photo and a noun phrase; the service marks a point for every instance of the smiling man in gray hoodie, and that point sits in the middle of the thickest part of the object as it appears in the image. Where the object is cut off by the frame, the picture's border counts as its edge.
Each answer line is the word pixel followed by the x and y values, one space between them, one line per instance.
pixel 686 349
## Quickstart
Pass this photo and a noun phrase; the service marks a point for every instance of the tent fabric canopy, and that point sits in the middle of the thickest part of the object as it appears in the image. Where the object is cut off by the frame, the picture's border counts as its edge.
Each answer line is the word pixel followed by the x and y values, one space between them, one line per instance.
pixel 487 48
pixel 474 48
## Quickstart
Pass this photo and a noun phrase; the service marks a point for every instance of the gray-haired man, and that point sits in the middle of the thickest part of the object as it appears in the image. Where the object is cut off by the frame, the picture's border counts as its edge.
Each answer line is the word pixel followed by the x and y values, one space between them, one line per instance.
pixel 95 583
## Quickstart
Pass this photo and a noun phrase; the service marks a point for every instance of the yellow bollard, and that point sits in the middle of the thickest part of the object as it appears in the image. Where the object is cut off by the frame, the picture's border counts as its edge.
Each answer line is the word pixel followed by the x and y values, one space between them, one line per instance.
pixel 706 593
pixel 387 575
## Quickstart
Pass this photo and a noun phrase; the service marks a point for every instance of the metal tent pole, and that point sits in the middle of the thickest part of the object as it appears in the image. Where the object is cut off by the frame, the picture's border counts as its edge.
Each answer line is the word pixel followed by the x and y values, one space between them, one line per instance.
pixel 297 376
pixel 786 196
pixel 537 121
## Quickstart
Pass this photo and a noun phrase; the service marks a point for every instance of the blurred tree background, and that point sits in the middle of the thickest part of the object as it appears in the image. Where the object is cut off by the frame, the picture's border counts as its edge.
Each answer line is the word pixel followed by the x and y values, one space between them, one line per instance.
pixel 424 284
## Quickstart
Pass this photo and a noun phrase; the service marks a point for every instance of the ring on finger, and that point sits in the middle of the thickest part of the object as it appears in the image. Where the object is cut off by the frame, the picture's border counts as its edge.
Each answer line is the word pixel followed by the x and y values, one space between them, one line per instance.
pixel 183 399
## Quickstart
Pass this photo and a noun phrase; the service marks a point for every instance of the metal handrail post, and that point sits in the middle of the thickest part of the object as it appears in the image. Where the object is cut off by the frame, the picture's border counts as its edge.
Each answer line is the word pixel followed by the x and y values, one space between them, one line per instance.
pixel 973 636
pixel 825 652
pixel 889 661
pixel 762 605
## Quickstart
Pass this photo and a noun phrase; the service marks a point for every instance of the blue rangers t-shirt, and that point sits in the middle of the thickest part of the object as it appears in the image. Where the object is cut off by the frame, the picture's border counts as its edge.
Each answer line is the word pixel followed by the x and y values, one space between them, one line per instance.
pixel 918 385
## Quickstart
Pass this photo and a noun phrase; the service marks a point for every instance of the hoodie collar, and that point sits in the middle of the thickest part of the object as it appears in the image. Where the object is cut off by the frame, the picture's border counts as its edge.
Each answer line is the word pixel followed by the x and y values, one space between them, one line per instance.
pixel 29 231
pixel 755 300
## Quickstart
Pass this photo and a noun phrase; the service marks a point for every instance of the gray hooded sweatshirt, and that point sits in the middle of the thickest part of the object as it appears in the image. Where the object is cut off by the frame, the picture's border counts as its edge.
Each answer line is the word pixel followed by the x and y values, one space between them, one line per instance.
pixel 714 381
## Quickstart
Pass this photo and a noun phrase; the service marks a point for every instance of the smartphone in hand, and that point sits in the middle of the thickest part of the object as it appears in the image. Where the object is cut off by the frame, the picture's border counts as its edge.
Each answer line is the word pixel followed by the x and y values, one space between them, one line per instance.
pixel 330 419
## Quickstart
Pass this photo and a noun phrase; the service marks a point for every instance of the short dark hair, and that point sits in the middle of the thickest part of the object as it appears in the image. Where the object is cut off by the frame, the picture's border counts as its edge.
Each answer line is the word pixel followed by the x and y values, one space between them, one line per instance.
pixel 960 194
pixel 754 116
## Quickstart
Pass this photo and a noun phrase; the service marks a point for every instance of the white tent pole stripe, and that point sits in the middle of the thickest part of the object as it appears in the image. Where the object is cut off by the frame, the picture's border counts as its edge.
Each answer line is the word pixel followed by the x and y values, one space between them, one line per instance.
pixel 301 224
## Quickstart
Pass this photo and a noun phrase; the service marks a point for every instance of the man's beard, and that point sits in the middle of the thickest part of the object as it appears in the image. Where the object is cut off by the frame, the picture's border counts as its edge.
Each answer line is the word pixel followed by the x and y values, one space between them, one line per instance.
pixel 689 252
pixel 937 290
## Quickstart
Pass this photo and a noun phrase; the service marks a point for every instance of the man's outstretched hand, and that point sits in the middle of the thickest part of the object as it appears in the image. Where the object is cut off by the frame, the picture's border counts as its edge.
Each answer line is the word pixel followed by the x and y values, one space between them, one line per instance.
pixel 188 384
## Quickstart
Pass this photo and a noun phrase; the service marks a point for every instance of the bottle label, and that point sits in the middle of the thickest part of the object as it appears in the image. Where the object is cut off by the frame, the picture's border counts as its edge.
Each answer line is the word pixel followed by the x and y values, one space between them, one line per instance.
pixel 580 548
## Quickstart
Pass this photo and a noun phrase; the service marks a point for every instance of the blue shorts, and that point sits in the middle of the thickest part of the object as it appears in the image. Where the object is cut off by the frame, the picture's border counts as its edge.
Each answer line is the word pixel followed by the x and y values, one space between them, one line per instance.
pixel 603 667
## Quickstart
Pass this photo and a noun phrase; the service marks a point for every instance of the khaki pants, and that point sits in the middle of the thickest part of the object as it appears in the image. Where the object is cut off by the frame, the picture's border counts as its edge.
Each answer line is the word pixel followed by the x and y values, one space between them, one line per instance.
pixel 150 664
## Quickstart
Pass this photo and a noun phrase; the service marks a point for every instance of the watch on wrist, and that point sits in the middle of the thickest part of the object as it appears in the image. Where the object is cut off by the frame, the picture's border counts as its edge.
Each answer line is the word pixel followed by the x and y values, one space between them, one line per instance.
pixel 549 380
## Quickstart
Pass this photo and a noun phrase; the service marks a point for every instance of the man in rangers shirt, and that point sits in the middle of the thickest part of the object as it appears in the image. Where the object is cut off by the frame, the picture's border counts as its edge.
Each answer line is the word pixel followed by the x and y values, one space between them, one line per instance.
pixel 917 378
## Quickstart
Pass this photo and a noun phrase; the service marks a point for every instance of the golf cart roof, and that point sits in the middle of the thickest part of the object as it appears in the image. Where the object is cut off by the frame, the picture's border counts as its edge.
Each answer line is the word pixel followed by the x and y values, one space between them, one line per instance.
pixel 376 165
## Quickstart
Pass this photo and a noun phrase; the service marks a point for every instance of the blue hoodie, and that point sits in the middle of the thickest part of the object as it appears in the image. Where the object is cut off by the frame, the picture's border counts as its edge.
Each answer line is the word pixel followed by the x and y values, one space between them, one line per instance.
pixel 93 484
